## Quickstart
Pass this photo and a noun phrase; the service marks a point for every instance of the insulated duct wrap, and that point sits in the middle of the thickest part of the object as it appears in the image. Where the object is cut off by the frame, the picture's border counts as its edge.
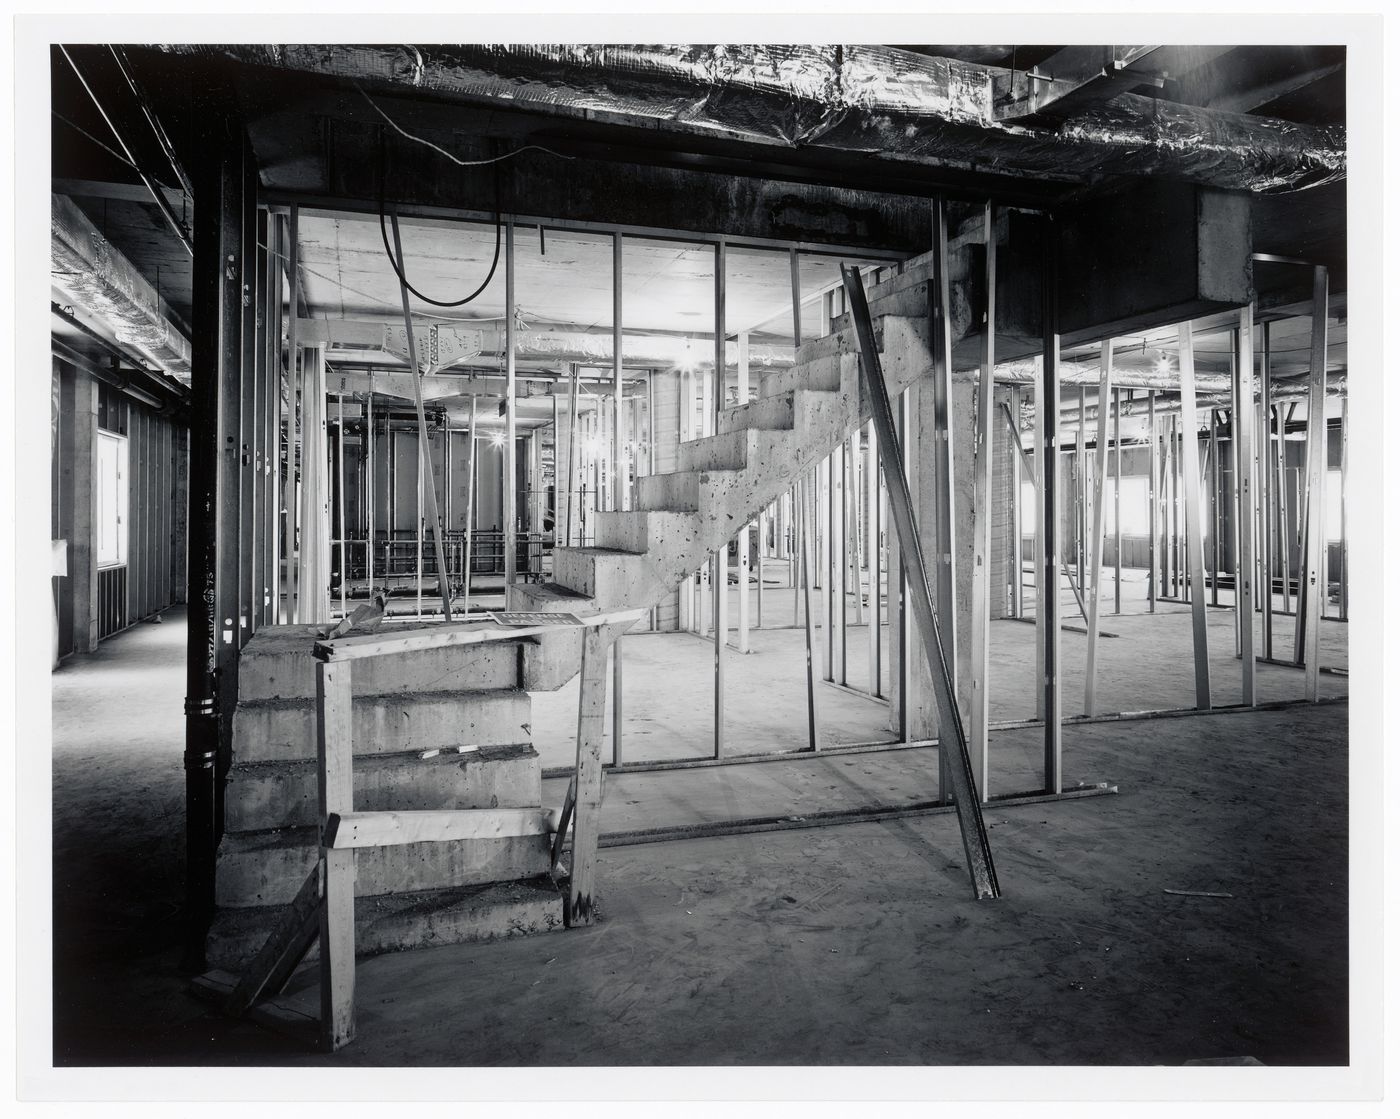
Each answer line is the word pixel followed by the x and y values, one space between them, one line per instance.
pixel 876 100
pixel 107 284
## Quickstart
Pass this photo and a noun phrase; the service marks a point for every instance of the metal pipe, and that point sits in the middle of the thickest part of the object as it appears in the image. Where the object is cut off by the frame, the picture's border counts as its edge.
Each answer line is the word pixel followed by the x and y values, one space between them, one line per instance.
pixel 163 203
pixel 162 138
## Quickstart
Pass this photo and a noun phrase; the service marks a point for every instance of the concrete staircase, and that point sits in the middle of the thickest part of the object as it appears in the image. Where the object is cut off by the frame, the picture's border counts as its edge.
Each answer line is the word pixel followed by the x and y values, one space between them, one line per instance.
pixel 413 714
pixel 413 711
pixel 759 450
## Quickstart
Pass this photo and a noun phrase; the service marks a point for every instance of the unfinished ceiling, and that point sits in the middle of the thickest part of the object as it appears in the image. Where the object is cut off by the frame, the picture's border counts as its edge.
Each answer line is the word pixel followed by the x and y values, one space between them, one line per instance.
pixel 831 148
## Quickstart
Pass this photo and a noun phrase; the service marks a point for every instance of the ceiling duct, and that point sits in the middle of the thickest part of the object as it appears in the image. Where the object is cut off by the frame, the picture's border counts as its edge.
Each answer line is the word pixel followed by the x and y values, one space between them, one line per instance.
pixel 876 100
pixel 103 281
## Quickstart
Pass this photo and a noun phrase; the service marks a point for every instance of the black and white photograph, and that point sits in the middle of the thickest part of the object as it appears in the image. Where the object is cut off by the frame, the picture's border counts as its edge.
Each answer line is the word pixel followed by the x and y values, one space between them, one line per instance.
pixel 814 568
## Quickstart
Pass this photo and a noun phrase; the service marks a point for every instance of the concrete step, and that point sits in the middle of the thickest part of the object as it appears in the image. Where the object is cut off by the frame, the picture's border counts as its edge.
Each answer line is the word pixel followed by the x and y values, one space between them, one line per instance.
pixel 767 413
pixel 277 664
pixel 828 345
pixel 635 530
pixel 399 921
pixel 282 730
pixel 268 867
pixel 677 492
pixel 263 795
pixel 818 374
pixel 730 450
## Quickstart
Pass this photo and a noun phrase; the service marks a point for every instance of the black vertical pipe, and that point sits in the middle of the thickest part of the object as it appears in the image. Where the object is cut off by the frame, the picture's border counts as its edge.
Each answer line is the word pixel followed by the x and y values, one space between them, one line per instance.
pixel 201 695
pixel 231 618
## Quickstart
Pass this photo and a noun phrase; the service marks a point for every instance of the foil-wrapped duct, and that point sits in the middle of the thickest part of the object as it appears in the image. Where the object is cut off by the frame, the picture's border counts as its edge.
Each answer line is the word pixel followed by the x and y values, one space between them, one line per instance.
pixel 100 278
pixel 876 100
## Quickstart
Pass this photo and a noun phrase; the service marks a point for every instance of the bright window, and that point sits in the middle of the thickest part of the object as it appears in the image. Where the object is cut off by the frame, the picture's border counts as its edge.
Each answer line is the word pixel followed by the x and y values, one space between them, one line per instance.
pixel 1134 502
pixel 1334 505
pixel 111 499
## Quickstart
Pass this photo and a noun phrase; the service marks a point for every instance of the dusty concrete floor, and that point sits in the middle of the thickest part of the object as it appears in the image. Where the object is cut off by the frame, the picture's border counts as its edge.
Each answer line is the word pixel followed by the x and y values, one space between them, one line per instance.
pixel 851 944
pixel 1147 665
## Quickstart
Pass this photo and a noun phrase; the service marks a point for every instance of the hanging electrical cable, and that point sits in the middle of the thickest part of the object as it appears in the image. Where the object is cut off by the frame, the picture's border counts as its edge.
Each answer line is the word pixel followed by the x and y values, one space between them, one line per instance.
pixel 398 265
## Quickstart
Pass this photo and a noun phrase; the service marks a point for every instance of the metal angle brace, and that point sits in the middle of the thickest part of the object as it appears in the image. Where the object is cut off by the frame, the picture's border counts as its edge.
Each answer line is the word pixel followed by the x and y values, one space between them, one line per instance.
pixel 951 730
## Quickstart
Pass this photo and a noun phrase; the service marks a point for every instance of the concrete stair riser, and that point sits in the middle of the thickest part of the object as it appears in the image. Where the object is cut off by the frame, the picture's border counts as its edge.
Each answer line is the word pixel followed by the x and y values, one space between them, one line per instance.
pixel 263 795
pixel 725 499
pixel 285 730
pixel 268 868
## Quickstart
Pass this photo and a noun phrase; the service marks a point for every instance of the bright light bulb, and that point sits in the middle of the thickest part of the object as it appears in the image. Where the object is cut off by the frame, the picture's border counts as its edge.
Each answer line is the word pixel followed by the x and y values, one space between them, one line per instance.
pixel 499 439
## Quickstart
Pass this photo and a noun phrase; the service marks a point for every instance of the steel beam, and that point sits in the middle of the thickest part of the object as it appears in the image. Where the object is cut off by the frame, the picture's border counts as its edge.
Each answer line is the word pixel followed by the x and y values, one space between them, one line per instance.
pixel 1091 621
pixel 1316 580
pixel 203 818
pixel 1048 522
pixel 1153 498
pixel 1191 478
pixel 508 513
pixel 952 738
pixel 940 382
pixel 719 577
pixel 1246 512
pixel 1266 498
pixel 980 664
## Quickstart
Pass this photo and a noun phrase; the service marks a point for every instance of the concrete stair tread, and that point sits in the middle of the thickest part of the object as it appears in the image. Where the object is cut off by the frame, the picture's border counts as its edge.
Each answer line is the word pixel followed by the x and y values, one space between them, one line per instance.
pixel 369 698
pixel 367 764
pixel 399 921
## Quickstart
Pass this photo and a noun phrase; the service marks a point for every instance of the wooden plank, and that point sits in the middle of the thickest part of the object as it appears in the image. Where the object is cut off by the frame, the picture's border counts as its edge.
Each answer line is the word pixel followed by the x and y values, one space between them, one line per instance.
pixel 561 829
pixel 334 750
pixel 455 633
pixel 588 778
pixel 283 949
pixel 296 1023
pixel 388 829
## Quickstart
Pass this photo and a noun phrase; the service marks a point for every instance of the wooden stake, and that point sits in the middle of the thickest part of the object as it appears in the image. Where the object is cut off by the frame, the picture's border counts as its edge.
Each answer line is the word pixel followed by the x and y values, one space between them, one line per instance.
pixel 588 778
